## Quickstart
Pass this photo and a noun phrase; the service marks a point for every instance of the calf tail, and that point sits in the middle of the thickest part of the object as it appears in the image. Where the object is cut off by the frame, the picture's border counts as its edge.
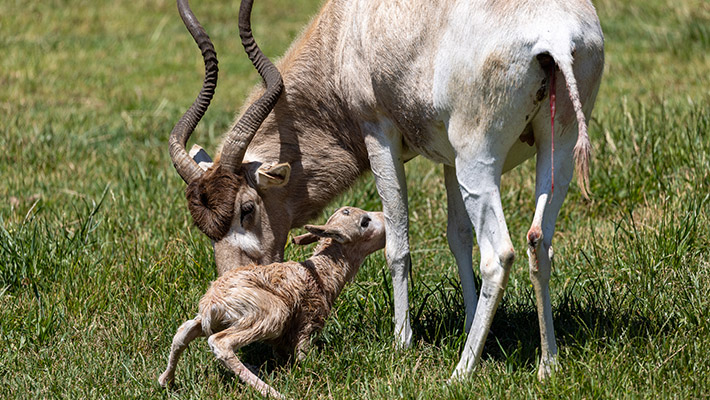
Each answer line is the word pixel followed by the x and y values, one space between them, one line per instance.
pixel 209 312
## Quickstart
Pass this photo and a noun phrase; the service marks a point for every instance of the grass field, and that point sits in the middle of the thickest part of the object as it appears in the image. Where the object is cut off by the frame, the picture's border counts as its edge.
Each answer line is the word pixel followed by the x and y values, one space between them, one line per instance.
pixel 100 262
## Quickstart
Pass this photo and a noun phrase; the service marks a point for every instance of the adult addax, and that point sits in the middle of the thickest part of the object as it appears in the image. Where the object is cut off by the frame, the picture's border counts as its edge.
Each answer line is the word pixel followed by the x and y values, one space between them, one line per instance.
pixel 373 83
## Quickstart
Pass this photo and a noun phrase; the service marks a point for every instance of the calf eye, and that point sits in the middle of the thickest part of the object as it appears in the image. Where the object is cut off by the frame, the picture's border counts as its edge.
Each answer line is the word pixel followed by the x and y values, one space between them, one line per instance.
pixel 365 222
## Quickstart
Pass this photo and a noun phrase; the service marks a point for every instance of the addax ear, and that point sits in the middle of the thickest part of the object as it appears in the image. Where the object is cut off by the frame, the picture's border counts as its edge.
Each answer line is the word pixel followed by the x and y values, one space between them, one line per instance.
pixel 200 156
pixel 273 176
pixel 327 232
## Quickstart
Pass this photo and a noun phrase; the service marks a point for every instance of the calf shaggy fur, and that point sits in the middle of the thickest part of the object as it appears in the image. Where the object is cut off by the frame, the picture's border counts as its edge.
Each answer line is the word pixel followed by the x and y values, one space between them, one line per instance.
pixel 282 304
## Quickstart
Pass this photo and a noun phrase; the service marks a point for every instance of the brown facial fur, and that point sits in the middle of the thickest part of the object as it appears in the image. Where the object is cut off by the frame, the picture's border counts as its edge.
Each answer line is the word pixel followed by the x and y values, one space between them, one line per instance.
pixel 211 201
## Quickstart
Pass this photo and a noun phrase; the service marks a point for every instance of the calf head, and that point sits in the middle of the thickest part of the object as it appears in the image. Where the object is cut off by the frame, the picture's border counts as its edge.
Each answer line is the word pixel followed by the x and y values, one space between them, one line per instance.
pixel 359 232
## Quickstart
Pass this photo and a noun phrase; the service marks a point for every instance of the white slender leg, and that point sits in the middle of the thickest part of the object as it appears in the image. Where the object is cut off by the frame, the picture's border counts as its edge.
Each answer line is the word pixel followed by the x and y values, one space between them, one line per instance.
pixel 479 180
pixel 539 236
pixel 460 237
pixel 540 267
pixel 186 333
pixel 384 147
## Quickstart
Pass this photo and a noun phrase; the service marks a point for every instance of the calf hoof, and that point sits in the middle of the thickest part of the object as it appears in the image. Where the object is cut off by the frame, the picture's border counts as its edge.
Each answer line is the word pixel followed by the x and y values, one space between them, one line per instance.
pixel 166 379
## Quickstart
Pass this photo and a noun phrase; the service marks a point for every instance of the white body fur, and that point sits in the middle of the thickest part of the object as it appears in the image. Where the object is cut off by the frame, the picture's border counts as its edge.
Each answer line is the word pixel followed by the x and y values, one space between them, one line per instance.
pixel 456 81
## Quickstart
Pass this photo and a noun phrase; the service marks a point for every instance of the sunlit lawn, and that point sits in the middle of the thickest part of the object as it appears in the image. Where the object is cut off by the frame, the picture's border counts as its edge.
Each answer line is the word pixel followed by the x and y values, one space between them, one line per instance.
pixel 100 262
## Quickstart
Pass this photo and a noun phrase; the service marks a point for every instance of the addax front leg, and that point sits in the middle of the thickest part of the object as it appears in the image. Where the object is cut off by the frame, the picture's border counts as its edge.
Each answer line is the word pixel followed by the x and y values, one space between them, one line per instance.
pixel 384 148
pixel 460 238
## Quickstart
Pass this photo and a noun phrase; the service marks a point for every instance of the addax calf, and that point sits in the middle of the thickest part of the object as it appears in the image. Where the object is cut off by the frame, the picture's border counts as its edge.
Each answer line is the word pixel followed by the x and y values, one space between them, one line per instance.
pixel 283 304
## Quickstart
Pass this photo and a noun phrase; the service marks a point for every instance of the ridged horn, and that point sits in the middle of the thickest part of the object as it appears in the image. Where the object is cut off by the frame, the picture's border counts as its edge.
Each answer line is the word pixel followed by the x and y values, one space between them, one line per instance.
pixel 235 145
pixel 184 164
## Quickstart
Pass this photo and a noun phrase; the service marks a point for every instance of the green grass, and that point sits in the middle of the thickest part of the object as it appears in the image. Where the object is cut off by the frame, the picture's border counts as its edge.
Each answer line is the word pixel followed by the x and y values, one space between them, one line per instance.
pixel 100 263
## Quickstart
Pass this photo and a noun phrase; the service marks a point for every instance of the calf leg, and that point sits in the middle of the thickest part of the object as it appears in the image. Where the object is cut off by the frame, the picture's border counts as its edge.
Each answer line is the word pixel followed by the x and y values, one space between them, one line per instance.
pixel 303 342
pixel 223 345
pixel 384 147
pixel 186 333
pixel 460 238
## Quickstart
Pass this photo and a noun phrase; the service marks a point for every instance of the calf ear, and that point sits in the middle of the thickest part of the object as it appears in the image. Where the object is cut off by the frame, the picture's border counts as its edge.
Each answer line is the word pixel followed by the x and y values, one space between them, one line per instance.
pixel 273 176
pixel 325 231
pixel 306 238
pixel 200 156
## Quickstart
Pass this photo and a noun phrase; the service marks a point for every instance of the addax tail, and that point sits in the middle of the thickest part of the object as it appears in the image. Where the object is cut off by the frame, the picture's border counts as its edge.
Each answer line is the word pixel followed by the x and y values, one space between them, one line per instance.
pixel 583 148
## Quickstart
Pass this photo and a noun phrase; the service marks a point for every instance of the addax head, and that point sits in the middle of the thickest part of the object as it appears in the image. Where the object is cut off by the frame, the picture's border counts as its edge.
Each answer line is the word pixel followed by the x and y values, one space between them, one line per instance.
pixel 229 200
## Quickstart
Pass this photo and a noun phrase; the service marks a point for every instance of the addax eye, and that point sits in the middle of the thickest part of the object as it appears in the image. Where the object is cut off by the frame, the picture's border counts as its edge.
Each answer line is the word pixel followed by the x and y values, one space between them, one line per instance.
pixel 365 222
pixel 246 210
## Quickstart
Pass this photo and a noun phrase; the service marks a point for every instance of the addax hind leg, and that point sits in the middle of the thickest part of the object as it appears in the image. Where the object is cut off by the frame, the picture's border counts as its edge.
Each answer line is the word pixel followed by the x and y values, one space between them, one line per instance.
pixel 186 333
pixel 539 237
pixel 460 238
pixel 478 170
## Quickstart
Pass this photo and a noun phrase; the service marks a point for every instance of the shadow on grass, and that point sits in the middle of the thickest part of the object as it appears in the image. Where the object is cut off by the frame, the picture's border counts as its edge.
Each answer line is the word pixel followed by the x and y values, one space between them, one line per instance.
pixel 581 316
